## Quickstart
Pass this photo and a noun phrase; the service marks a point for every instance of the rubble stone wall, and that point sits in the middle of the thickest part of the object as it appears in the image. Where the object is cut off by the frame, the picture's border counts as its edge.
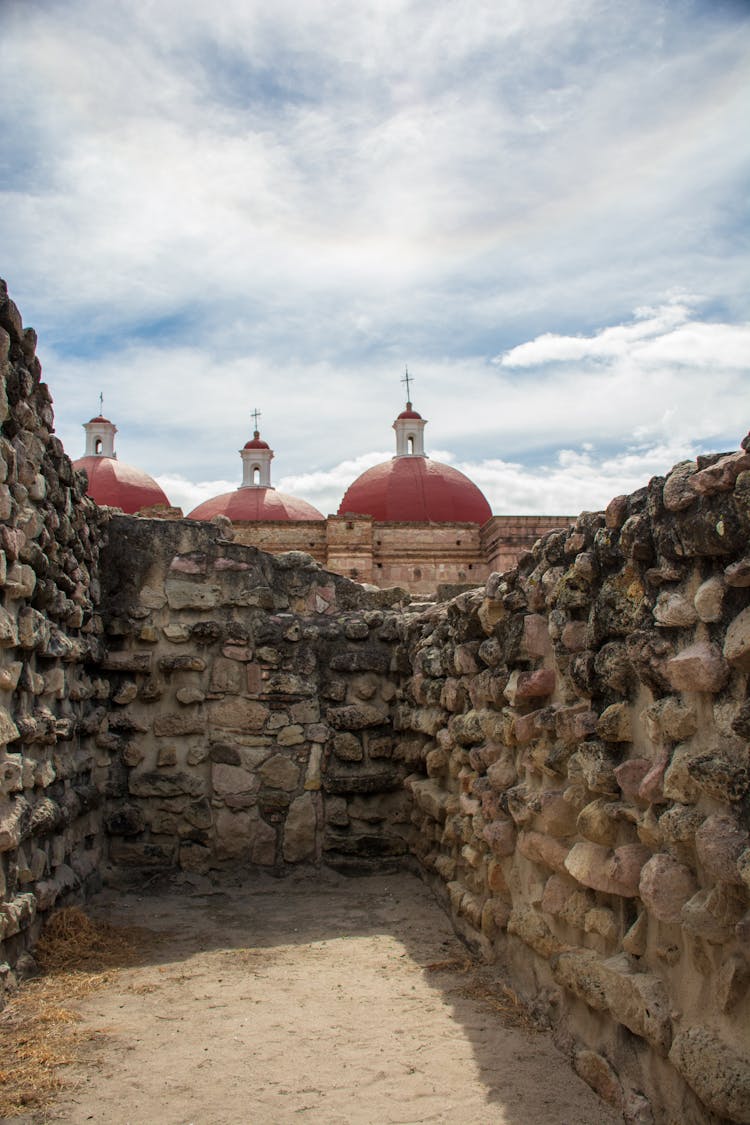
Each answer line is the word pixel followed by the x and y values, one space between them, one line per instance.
pixel 50 536
pixel 583 792
pixel 251 701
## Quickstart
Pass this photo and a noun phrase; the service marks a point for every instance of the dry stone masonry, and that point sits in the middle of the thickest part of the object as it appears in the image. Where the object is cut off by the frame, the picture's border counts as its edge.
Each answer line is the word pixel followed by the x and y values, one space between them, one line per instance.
pixel 564 751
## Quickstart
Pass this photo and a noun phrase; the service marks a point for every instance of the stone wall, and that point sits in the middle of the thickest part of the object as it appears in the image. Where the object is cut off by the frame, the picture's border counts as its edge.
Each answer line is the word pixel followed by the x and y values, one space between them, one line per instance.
pixel 251 706
pixel 583 791
pixel 505 538
pixel 50 534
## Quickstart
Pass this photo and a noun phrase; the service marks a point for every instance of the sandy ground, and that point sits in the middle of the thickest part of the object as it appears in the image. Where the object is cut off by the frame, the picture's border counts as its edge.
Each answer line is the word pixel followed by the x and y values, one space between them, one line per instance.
pixel 299 1000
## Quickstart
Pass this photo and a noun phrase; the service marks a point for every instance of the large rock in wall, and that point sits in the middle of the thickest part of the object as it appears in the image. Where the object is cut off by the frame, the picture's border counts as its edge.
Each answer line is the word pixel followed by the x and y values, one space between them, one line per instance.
pixel 50 815
pixel 250 700
pixel 579 735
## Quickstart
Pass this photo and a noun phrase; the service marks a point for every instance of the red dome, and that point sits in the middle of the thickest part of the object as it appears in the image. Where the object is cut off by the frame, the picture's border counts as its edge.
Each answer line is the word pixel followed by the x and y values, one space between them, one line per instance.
pixel 245 504
pixel 416 490
pixel 256 443
pixel 120 486
pixel 409 414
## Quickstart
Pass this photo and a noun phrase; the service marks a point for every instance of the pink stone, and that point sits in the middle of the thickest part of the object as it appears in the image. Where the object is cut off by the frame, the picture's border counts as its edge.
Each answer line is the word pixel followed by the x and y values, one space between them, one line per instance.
pixel 543 850
pixel 453 696
pixel 721 476
pixel 502 773
pixel 574 636
pixel 737 641
pixel 738 573
pixel 557 892
pixel 566 725
pixel 666 886
pixel 614 873
pixel 652 787
pixel 584 724
pixel 616 513
pixel 701 667
pixel 536 640
pixel 630 775
pixel 230 564
pixel 529 685
pixel 501 837
pixel 526 727
pixel 187 565
pixel 464 661
pixel 718 844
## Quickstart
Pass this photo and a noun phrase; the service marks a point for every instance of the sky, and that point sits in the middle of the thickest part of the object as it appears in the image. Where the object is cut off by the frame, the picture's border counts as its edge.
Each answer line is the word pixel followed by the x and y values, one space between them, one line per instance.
pixel 540 207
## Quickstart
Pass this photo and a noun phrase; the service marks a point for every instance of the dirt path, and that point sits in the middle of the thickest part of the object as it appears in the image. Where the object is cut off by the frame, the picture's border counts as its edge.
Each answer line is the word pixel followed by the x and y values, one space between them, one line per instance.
pixel 282 1001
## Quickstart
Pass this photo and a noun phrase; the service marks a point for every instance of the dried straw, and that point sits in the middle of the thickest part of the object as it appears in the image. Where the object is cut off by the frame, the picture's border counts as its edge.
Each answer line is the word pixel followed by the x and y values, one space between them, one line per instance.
pixel 77 956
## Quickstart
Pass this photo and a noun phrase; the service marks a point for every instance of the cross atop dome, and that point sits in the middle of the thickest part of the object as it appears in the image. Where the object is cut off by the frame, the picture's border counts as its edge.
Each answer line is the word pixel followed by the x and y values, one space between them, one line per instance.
pixel 408 380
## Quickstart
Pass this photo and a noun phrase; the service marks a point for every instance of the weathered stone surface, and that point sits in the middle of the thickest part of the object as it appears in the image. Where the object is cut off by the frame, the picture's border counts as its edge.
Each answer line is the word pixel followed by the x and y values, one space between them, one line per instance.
pixel 354 717
pixel 670 720
pixel 348 747
pixel 637 1000
pixel 737 642
pixel 738 573
pixel 543 850
pixel 237 714
pixel 157 784
pixel 531 928
pixel 614 872
pixel 279 772
pixel 228 780
pixel 599 1075
pixel 709 599
pixel 244 834
pixel 300 830
pixel 674 611
pixel 700 667
pixel 614 723
pixel 718 1074
pixel 523 686
pixel 665 887
pixel 8 729
pixel 713 914
pixel 719 842
pixel 192 595
pixel 178 724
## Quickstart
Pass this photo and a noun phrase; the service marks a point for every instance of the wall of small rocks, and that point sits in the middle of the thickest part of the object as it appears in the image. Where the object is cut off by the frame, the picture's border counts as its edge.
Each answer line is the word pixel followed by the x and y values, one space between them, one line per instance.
pixel 250 706
pixel 583 787
pixel 50 533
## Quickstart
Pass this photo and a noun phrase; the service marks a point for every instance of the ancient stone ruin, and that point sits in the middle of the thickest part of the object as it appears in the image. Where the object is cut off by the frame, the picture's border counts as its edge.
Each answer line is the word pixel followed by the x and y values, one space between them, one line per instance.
pixel 562 752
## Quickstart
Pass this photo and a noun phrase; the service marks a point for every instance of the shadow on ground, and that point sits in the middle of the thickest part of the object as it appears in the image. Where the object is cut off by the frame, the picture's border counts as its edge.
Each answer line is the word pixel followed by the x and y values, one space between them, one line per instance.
pixel 342 999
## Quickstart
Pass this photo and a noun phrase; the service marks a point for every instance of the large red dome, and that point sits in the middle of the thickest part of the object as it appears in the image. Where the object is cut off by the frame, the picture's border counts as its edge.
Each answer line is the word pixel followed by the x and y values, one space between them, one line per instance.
pixel 255 504
pixel 416 490
pixel 117 485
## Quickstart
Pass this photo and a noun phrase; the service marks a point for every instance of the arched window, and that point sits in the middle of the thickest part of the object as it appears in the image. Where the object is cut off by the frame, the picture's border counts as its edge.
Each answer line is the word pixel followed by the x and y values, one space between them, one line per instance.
pixel 98 445
pixel 410 443
pixel 256 474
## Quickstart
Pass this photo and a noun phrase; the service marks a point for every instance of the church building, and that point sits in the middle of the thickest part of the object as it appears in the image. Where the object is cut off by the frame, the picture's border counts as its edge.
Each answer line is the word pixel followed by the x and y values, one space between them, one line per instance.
pixel 410 521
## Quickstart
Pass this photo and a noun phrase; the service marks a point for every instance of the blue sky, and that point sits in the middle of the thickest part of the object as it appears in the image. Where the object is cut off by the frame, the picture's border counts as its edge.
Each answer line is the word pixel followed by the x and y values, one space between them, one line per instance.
pixel 541 207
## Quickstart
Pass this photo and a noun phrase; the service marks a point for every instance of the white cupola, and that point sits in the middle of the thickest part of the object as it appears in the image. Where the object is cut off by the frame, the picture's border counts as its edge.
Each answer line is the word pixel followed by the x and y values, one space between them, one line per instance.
pixel 409 427
pixel 256 463
pixel 100 437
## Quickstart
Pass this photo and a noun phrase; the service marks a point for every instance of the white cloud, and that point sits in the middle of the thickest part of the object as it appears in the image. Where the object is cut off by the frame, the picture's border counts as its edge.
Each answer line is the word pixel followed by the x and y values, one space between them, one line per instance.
pixel 210 209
